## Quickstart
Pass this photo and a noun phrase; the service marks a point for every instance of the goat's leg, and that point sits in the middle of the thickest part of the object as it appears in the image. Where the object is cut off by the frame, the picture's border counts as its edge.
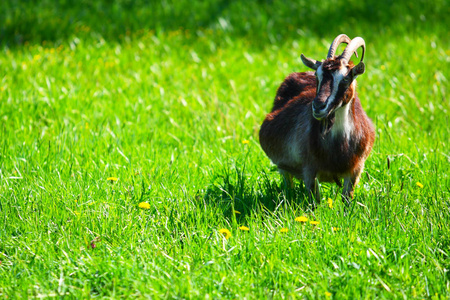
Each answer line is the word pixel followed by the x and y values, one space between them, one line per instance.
pixel 347 193
pixel 349 185
pixel 288 179
pixel 312 185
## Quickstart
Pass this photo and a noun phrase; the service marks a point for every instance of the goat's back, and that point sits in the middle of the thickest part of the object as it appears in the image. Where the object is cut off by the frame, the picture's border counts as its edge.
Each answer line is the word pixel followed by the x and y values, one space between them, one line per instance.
pixel 301 86
pixel 291 113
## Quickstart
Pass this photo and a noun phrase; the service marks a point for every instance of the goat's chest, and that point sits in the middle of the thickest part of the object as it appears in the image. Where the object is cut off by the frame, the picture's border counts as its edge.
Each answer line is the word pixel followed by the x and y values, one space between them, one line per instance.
pixel 336 154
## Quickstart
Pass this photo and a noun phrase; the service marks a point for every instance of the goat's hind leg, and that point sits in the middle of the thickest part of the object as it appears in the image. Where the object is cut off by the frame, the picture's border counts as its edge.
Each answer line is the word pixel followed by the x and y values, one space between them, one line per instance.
pixel 288 183
pixel 288 179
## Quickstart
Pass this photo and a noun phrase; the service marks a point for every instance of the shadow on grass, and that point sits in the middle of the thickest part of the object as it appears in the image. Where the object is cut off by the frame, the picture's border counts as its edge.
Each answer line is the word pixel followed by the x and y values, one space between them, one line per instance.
pixel 260 22
pixel 237 194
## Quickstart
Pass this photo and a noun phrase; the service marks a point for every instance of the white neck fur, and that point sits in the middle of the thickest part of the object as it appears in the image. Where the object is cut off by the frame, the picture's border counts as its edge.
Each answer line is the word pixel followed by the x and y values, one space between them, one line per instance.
pixel 343 122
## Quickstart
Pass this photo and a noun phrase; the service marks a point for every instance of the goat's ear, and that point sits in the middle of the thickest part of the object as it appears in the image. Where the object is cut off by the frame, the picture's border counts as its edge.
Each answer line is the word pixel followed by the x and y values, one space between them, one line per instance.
pixel 310 63
pixel 359 69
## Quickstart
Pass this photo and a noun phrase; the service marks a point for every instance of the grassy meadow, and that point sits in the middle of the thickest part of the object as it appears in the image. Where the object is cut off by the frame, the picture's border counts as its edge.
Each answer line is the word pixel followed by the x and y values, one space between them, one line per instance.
pixel 129 141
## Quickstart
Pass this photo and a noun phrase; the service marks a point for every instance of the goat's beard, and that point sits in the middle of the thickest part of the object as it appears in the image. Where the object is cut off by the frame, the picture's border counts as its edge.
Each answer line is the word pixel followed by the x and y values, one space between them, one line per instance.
pixel 326 124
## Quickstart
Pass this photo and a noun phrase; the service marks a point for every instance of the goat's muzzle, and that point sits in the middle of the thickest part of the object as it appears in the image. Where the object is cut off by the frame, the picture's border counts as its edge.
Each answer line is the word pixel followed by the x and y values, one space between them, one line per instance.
pixel 319 115
pixel 319 108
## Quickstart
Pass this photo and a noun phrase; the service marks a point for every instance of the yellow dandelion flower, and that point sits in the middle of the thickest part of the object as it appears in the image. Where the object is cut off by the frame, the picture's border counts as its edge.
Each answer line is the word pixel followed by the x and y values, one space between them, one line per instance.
pixel 284 230
pixel 237 212
pixel 301 219
pixel 328 294
pixel 144 205
pixel 330 202
pixel 245 142
pixel 383 67
pixel 419 185
pixel 225 232
pixel 314 222
pixel 244 228
pixel 335 228
pixel 112 179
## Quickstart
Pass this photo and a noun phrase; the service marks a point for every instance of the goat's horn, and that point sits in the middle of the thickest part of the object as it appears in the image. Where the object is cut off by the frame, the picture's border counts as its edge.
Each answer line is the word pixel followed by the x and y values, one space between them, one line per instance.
pixel 352 47
pixel 342 38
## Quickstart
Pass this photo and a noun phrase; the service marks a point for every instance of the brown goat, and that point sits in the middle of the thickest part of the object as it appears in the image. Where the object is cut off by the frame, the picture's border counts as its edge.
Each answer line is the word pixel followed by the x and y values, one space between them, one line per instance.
pixel 317 129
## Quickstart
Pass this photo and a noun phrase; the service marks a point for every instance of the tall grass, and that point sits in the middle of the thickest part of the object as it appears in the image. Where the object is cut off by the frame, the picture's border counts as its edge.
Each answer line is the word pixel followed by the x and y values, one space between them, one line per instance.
pixel 167 98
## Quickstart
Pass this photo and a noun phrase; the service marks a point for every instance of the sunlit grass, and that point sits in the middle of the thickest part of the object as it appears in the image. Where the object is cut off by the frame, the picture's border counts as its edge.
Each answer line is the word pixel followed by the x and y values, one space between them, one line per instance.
pixel 130 165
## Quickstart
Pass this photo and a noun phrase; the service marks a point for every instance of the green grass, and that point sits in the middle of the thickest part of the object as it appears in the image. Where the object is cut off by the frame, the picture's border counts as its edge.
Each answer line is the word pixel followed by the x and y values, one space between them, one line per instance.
pixel 164 101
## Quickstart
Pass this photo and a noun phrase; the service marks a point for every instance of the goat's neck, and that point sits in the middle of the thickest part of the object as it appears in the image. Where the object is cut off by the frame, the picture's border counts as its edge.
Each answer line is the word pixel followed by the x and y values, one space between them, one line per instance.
pixel 343 121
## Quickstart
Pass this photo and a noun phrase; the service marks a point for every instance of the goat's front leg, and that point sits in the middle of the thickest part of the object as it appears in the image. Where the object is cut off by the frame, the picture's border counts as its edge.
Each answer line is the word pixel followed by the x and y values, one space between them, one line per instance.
pixel 347 193
pixel 349 185
pixel 312 185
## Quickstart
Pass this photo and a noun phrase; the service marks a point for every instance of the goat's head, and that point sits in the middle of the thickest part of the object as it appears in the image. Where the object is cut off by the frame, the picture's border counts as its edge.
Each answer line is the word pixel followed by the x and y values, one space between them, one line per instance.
pixel 335 76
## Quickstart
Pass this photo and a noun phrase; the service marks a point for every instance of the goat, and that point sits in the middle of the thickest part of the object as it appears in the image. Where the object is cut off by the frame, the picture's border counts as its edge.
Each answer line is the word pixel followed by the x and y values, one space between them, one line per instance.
pixel 317 129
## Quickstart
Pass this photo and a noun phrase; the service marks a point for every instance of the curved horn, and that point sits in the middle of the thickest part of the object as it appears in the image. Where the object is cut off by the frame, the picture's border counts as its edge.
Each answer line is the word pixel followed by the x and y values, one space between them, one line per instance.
pixel 342 38
pixel 352 47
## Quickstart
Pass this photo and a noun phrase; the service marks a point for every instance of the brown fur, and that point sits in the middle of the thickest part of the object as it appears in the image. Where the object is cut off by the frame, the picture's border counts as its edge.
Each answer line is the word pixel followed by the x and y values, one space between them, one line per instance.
pixel 304 147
